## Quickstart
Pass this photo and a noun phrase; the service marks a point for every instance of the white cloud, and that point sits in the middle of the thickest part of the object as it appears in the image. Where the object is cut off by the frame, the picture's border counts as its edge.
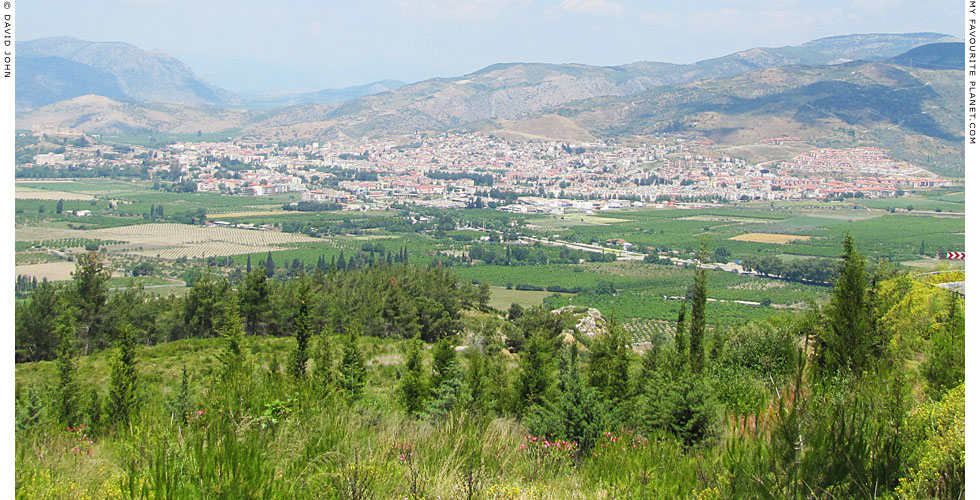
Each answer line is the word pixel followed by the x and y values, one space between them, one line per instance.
pixel 455 9
pixel 591 6
pixel 660 19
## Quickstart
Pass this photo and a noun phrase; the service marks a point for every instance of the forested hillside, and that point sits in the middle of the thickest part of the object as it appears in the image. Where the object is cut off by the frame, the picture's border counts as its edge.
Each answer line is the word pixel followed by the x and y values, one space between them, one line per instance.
pixel 382 379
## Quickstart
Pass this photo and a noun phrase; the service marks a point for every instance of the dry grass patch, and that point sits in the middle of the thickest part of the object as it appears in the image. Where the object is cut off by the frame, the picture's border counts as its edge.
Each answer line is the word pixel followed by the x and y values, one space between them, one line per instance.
pixel 780 239
pixel 53 271
pixel 172 241
pixel 249 214
pixel 28 193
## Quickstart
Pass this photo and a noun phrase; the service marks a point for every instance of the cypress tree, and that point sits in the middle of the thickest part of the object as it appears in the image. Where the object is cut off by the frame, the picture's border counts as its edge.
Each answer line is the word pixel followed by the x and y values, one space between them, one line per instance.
pixel 182 401
pixel 233 355
pixel 91 292
pixel 698 303
pixel 303 325
pixel 946 366
pixel 270 266
pixel 122 379
pixel 66 397
pixel 609 371
pixel 535 378
pixel 477 383
pixel 253 299
pixel 352 370
pixel 413 386
pixel 341 263
pixel 680 337
pixel 581 409
pixel 324 375
pixel 845 344
pixel 248 264
pixel 446 377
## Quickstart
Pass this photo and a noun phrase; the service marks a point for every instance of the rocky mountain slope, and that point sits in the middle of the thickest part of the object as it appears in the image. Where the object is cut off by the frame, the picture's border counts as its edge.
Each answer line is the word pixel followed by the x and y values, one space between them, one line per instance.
pixel 517 91
pixel 101 115
pixel 64 67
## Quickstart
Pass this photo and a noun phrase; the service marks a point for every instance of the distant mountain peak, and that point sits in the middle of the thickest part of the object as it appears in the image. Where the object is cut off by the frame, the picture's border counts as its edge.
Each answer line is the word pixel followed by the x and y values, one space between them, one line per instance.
pixel 73 67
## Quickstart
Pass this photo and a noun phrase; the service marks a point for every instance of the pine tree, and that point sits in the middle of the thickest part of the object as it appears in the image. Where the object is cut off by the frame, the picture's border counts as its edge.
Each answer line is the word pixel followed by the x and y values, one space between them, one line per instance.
pixel 698 303
pixel 67 391
pixel 303 326
pixel 352 370
pixel 414 387
pixel 123 380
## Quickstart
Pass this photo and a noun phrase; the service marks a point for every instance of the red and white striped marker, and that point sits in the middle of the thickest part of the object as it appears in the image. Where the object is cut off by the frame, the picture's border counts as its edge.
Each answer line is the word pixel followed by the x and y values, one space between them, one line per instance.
pixel 956 255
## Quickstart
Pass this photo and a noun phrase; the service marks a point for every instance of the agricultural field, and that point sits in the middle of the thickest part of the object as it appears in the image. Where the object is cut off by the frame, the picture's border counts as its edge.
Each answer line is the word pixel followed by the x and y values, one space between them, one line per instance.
pixel 51 271
pixel 787 230
pixel 173 241
pixel 30 193
pixel 779 239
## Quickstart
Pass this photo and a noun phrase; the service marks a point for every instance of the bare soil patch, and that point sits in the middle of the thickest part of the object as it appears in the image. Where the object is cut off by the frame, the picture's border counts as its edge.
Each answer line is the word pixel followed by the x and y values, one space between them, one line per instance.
pixel 780 239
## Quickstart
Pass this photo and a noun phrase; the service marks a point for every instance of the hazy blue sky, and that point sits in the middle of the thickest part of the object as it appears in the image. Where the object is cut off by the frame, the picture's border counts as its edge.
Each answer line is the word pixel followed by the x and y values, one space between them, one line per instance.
pixel 314 44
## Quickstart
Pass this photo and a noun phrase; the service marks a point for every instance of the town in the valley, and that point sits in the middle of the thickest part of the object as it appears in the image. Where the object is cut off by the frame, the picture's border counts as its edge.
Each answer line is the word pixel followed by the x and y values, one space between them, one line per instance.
pixel 460 170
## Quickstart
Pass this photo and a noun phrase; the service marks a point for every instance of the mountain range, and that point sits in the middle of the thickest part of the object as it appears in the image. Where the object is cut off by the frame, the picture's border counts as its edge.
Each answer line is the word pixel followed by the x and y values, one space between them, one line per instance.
pixel 895 89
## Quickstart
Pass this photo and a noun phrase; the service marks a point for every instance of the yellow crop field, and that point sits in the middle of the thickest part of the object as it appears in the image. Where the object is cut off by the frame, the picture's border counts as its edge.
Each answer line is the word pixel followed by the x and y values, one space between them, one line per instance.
pixel 780 239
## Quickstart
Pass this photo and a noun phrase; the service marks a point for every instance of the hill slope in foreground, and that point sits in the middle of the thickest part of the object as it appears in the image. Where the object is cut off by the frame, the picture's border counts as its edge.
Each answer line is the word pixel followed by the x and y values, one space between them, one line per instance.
pixel 393 419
